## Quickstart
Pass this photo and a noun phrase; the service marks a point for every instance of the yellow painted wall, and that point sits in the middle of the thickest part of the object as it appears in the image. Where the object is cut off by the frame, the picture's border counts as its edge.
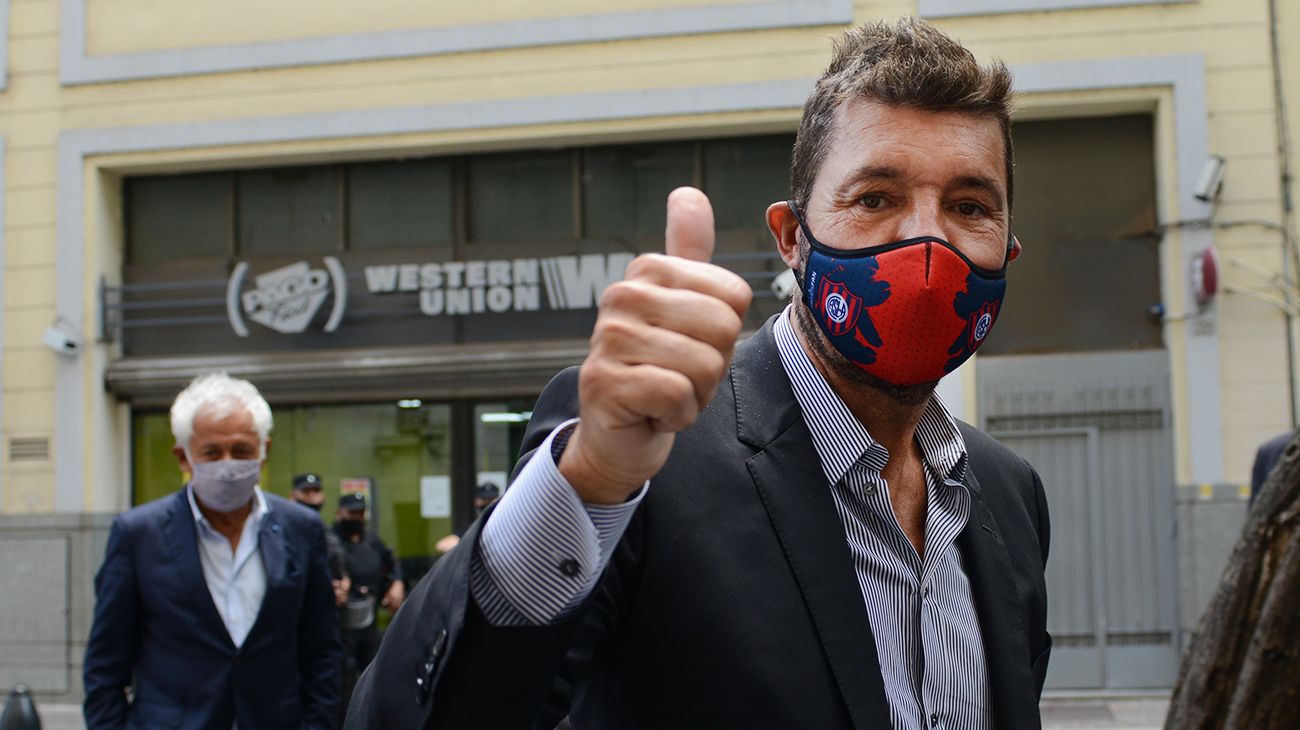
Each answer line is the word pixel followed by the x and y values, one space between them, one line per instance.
pixel 125 26
pixel 26 366
pixel 36 107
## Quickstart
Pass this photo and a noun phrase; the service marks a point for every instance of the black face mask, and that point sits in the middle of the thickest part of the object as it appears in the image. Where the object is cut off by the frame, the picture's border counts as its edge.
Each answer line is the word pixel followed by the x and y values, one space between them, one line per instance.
pixel 349 528
pixel 309 505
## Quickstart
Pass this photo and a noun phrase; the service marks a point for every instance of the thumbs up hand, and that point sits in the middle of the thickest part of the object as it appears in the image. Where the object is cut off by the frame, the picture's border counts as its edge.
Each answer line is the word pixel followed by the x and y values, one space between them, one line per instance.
pixel 662 342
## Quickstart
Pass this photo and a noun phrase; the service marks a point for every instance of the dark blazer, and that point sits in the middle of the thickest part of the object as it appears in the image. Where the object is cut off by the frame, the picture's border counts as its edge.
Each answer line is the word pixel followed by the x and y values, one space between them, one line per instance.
pixel 157 630
pixel 730 602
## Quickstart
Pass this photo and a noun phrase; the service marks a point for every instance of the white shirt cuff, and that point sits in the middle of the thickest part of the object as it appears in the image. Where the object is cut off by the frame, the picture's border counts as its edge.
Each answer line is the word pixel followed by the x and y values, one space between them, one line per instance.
pixel 543 549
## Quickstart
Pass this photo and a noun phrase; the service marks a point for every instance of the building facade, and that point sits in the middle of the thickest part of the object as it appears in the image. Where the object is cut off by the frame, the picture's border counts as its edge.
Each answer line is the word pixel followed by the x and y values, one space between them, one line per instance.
pixel 396 221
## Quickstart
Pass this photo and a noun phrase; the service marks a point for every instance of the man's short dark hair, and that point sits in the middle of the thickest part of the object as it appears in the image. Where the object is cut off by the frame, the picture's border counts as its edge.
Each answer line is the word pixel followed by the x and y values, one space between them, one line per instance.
pixel 909 63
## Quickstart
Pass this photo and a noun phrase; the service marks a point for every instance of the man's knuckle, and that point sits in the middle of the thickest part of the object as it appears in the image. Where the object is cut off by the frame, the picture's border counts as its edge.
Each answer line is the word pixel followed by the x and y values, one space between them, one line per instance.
pixel 619 295
pixel 643 265
pixel 614 332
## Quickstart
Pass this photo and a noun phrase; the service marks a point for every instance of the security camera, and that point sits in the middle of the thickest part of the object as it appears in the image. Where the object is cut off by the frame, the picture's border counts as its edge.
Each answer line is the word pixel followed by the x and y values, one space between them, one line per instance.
pixel 783 283
pixel 61 341
pixel 1207 187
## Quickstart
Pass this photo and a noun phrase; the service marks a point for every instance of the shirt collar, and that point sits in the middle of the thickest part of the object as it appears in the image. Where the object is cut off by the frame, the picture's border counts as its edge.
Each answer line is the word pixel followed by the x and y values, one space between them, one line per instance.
pixel 255 516
pixel 841 440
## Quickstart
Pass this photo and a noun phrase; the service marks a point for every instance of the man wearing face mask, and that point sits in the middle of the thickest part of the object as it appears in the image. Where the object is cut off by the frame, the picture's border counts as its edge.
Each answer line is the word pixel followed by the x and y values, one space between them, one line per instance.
pixel 376 581
pixel 803 520
pixel 213 605
pixel 308 493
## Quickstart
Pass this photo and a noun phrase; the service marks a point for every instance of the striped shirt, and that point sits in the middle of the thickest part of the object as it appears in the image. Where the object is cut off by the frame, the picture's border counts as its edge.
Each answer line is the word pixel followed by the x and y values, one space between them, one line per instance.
pixel 543 551
pixel 921 611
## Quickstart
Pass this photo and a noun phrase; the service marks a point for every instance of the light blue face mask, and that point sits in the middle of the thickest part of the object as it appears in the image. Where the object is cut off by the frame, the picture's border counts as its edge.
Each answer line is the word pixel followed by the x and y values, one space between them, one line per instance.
pixel 224 485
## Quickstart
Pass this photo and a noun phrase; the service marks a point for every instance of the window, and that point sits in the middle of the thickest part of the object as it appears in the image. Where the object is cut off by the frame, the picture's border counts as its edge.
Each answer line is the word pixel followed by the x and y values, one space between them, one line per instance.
pixel 399 205
pixel 292 210
pixel 179 217
pixel 611 193
pixel 1084 209
pixel 744 176
pixel 420 486
pixel 625 187
pixel 521 197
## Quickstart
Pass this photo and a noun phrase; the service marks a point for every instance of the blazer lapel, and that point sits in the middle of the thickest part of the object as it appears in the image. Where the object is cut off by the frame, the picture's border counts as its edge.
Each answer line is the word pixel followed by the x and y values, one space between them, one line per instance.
pixel 182 539
pixel 278 562
pixel 1002 622
pixel 788 475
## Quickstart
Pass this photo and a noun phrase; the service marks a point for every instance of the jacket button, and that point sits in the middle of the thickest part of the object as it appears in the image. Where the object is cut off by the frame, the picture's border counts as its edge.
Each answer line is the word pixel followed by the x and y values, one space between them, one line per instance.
pixel 424 680
pixel 570 568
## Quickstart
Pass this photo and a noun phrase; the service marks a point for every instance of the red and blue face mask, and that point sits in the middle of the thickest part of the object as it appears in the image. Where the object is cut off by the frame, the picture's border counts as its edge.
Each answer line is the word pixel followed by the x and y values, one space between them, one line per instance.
pixel 907 312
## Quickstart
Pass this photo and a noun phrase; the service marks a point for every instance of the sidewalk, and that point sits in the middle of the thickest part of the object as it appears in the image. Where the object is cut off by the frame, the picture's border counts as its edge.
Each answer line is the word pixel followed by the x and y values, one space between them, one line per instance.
pixel 1130 712
pixel 1059 713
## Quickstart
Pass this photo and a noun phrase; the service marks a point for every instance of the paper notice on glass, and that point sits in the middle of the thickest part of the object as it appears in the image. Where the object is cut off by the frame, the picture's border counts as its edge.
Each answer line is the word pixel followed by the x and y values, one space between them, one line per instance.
pixel 435 496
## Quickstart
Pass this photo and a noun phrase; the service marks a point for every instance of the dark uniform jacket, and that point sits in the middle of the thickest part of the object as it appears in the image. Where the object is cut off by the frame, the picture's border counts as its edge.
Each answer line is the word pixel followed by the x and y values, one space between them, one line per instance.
pixel 730 602
pixel 370 564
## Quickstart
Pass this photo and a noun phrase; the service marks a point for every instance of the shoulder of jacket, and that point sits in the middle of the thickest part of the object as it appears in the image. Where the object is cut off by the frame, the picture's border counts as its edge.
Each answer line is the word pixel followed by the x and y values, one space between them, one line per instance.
pixel 152 511
pixel 987 453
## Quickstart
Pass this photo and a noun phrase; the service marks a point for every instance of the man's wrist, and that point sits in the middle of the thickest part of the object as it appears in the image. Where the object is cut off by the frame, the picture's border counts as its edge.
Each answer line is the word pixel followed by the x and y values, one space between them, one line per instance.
pixel 592 486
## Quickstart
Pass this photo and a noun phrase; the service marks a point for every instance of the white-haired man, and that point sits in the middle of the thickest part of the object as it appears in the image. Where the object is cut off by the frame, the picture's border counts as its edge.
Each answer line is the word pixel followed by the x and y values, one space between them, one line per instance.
pixel 214 604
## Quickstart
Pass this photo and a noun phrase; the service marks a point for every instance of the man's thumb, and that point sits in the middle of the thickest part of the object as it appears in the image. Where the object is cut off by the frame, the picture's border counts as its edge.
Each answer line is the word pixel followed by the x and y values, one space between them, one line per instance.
pixel 689 232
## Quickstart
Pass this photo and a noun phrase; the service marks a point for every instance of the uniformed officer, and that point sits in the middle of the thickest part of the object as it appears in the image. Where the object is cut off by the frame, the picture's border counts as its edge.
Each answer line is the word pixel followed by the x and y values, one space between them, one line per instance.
pixel 307 492
pixel 376 579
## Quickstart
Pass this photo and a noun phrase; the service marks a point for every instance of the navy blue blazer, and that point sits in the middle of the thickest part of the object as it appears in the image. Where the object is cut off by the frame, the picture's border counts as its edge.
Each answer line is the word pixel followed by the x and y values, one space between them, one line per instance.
pixel 157 630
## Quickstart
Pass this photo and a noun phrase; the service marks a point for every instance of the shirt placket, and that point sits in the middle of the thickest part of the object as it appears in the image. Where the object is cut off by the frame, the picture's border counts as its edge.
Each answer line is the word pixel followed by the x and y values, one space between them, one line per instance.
pixel 947 510
pixel 244 553
pixel 875 493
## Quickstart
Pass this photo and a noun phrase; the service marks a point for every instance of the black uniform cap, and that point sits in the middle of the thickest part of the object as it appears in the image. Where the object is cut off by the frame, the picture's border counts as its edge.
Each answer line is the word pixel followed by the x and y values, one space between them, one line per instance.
pixel 306 481
pixel 352 501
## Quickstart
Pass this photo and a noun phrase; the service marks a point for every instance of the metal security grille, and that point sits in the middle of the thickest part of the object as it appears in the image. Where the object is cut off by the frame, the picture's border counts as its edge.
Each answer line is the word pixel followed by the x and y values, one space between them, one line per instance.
pixel 1096 427
pixel 29 449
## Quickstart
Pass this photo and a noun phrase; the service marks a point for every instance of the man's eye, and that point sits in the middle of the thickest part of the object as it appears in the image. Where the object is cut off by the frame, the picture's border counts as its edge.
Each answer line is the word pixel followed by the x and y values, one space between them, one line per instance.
pixel 872 202
pixel 970 209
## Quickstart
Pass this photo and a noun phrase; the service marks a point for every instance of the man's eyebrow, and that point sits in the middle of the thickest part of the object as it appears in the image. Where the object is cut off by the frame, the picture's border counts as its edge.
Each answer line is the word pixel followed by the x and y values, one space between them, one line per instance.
pixel 981 182
pixel 869 172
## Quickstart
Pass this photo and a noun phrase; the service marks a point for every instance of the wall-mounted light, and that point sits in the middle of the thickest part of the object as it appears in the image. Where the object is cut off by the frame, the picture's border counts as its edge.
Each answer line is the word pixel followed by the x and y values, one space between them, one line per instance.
pixel 409 403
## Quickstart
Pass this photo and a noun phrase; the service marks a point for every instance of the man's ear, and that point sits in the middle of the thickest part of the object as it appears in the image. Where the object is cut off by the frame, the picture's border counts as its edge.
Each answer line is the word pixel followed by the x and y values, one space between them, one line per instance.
pixel 785 229
pixel 1014 252
pixel 266 449
pixel 181 459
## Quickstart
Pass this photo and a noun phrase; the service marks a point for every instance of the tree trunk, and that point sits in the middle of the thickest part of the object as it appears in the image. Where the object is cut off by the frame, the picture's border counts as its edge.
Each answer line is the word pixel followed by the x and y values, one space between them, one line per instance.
pixel 1242 669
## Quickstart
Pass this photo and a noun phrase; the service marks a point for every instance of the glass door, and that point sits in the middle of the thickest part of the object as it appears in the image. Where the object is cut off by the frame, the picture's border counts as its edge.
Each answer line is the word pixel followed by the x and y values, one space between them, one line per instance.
pixel 498 432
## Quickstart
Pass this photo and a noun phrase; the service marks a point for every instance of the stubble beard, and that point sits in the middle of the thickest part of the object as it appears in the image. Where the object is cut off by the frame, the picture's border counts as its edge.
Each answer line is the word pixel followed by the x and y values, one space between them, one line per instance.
pixel 905 395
